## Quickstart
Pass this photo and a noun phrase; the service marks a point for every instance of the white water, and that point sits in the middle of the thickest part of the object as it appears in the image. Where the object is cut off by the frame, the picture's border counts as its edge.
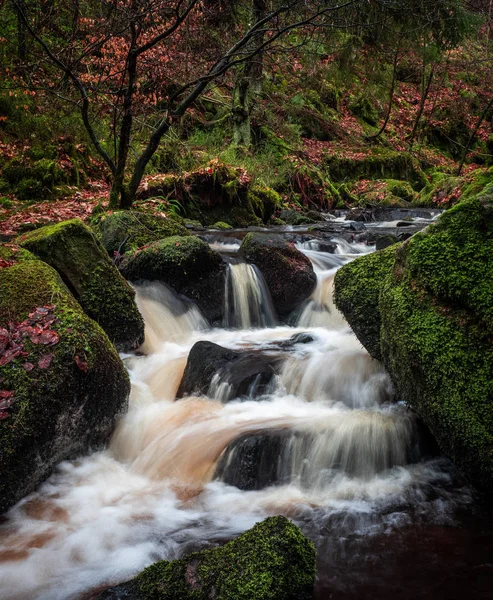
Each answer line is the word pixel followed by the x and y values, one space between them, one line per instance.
pixel 247 299
pixel 101 519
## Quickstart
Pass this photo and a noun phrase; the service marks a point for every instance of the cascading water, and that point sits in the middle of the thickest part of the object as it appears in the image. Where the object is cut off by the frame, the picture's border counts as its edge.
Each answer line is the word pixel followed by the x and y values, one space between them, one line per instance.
pixel 325 444
pixel 247 299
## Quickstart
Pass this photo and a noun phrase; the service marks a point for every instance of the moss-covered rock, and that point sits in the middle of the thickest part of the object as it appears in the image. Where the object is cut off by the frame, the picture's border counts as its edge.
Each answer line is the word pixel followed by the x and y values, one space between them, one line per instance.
pixel 293 217
pixel 188 265
pixel 287 272
pixel 362 107
pixel 127 230
pixel 221 225
pixel 383 164
pixel 264 200
pixel 73 250
pixel 271 561
pixel 357 288
pixel 436 312
pixel 216 192
pixel 62 382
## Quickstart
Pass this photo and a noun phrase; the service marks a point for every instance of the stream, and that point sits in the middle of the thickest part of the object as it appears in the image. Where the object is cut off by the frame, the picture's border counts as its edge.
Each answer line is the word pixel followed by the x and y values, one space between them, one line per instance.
pixel 324 442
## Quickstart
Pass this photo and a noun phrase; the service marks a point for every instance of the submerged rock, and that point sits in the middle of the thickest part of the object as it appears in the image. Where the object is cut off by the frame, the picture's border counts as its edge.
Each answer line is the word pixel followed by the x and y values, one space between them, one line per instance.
pixel 287 272
pixel 72 249
pixel 271 561
pixel 127 230
pixel 433 298
pixel 188 265
pixel 62 384
pixel 244 373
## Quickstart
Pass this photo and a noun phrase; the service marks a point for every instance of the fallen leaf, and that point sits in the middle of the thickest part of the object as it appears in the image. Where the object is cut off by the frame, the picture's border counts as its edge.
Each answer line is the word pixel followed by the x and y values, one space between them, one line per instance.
pixel 28 366
pixel 45 361
pixel 3 415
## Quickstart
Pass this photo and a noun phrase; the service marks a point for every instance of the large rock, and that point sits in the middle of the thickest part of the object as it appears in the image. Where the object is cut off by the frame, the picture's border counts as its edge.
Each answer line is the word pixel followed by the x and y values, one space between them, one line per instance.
pixel 287 272
pixel 62 384
pixel 356 294
pixel 126 230
pixel 188 265
pixel 72 249
pixel 245 373
pixel 271 561
pixel 436 311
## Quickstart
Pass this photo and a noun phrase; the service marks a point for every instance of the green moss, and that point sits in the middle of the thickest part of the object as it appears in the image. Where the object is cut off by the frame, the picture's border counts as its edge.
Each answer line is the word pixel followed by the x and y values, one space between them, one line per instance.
pixel 221 225
pixel 127 230
pixel 73 250
pixel 433 309
pixel 188 265
pixel 383 164
pixel 264 201
pixel 443 190
pixel 362 107
pixel 60 411
pixel 357 288
pixel 273 561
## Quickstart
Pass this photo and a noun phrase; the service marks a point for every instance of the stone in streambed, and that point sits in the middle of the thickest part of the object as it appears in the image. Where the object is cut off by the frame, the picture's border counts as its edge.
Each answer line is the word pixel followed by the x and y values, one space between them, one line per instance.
pixel 429 316
pixel 188 265
pixel 62 384
pixel 287 272
pixel 245 372
pixel 271 561
pixel 73 250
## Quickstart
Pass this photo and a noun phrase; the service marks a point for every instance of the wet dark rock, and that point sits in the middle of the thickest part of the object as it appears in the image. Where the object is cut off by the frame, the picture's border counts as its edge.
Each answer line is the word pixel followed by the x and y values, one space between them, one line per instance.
pixel 364 215
pixel 355 226
pixel 252 461
pixel 287 272
pixel 293 217
pixel 299 338
pixel 271 561
pixel 383 241
pixel 188 265
pixel 247 373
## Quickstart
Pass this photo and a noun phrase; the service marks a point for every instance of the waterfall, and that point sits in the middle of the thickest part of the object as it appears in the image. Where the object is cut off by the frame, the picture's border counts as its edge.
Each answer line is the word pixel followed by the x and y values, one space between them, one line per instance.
pixel 323 441
pixel 247 299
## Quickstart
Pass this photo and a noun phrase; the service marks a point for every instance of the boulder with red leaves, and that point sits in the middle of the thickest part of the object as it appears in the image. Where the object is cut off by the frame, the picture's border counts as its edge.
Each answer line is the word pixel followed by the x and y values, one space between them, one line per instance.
pixel 62 383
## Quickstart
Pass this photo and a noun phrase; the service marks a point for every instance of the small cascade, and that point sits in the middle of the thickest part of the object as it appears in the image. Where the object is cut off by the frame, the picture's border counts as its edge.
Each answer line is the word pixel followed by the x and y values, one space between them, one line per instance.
pixel 247 300
pixel 357 444
pixel 320 310
pixel 167 317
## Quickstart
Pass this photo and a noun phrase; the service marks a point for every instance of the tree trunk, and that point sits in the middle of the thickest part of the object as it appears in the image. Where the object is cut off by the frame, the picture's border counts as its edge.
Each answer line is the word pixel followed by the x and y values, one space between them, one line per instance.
pixel 248 86
pixel 21 35
pixel 473 135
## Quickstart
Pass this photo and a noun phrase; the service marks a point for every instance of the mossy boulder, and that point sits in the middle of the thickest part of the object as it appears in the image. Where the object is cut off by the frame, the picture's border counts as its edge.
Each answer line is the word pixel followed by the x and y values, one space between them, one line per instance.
pixel 361 106
pixel 381 164
pixel 73 250
pixel 357 288
pixel 127 230
pixel 216 192
pixel 287 272
pixel 221 225
pixel 293 217
pixel 188 265
pixel 271 561
pixel 62 383
pixel 436 311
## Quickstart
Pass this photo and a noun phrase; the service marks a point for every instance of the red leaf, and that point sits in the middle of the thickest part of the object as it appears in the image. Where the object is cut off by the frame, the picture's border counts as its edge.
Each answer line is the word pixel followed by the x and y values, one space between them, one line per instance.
pixel 28 366
pixel 45 361
pixel 10 355
pixel 47 337
pixel 82 364
pixel 6 393
pixel 3 415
